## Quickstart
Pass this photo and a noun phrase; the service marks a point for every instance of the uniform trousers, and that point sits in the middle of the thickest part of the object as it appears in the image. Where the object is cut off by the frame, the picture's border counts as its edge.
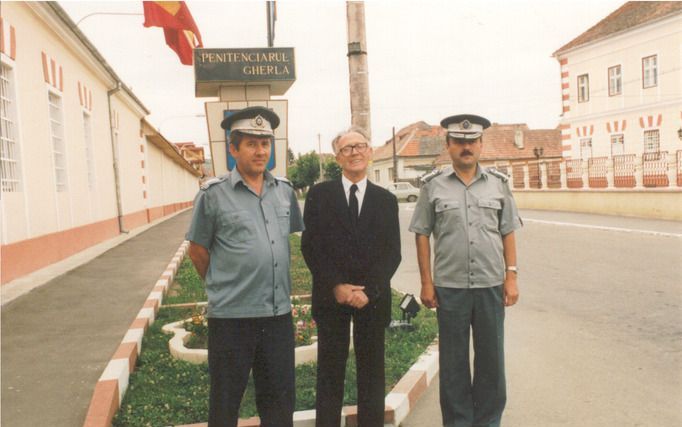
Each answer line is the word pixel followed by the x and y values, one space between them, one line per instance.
pixel 235 347
pixel 461 311
pixel 333 334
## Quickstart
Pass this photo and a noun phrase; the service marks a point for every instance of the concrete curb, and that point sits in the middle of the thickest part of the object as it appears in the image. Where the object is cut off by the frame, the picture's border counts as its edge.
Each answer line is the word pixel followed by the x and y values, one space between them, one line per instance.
pixel 113 383
pixel 176 346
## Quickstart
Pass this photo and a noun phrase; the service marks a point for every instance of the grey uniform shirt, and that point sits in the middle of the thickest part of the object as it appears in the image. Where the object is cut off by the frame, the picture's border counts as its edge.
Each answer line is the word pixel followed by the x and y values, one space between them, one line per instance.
pixel 468 223
pixel 248 239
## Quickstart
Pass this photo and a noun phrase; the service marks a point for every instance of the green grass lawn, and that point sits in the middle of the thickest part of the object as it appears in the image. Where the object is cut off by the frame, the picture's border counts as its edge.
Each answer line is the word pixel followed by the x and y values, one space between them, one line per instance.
pixel 165 391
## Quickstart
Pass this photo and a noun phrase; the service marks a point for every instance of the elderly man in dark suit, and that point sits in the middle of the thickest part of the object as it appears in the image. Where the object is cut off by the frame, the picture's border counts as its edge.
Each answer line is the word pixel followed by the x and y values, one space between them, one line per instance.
pixel 352 246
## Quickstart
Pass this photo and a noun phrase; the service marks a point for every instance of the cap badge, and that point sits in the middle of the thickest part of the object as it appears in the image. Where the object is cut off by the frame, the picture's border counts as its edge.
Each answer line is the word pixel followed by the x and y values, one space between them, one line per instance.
pixel 466 124
pixel 258 121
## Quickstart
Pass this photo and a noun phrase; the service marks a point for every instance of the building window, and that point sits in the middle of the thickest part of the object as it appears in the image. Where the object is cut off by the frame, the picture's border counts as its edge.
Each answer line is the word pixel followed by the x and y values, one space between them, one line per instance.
pixel 89 156
pixel 617 144
pixel 586 148
pixel 9 143
pixel 391 176
pixel 652 142
pixel 615 81
pixel 583 88
pixel 57 136
pixel 377 175
pixel 649 71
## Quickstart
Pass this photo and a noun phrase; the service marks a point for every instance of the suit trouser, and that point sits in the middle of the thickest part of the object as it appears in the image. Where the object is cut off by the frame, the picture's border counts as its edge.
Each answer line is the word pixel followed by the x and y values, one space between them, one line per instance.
pixel 481 310
pixel 235 347
pixel 333 334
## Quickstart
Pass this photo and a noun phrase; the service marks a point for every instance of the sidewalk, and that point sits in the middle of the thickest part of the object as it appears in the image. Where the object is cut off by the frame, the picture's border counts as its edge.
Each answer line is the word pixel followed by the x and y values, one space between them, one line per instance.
pixel 57 339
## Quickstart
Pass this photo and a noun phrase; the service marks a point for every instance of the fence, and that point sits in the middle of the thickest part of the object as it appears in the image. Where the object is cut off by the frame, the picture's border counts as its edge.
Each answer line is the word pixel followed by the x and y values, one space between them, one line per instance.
pixel 649 170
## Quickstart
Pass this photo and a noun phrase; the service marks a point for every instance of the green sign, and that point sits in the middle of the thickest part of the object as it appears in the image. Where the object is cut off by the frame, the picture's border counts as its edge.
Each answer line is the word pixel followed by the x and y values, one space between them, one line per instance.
pixel 244 65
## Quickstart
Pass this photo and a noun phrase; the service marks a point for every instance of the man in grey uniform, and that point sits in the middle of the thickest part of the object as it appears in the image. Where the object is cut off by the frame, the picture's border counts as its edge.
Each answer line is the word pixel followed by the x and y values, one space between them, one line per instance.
pixel 472 214
pixel 239 244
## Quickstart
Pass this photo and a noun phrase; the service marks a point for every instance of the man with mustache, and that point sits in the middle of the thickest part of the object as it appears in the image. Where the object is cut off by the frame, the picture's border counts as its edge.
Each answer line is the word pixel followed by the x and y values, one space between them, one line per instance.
pixel 239 244
pixel 472 215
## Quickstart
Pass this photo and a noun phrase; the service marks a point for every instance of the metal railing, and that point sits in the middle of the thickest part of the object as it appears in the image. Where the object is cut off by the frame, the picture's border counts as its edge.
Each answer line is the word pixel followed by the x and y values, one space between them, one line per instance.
pixel 649 170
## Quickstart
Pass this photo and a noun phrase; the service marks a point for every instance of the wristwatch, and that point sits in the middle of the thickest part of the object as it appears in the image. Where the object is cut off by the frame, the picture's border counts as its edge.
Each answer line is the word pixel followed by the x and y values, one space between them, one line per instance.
pixel 513 268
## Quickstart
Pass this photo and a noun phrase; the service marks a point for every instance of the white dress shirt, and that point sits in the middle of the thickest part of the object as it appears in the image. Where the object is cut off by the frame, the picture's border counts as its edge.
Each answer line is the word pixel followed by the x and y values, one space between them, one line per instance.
pixel 360 193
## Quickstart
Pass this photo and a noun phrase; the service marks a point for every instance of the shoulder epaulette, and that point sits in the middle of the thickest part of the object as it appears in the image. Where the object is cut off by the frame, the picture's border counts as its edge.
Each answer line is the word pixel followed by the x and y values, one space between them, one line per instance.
pixel 498 174
pixel 429 176
pixel 213 181
pixel 285 180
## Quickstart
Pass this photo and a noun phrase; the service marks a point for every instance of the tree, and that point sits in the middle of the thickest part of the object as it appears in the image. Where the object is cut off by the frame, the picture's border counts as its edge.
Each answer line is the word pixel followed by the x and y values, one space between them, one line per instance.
pixel 291 159
pixel 332 170
pixel 304 171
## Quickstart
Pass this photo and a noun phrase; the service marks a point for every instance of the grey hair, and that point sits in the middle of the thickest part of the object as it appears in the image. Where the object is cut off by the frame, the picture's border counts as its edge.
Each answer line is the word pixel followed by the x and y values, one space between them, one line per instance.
pixel 352 129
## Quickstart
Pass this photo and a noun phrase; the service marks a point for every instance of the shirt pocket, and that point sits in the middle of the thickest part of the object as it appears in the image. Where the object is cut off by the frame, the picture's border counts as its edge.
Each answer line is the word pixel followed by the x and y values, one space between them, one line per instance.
pixel 490 213
pixel 284 220
pixel 238 227
pixel 447 213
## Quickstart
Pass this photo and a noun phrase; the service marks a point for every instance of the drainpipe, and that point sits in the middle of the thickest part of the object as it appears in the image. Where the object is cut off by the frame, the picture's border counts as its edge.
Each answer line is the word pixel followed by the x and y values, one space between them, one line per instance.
pixel 114 152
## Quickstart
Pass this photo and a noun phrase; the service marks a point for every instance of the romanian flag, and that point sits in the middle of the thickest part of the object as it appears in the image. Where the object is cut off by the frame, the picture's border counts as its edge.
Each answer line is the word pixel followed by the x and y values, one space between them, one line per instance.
pixel 182 34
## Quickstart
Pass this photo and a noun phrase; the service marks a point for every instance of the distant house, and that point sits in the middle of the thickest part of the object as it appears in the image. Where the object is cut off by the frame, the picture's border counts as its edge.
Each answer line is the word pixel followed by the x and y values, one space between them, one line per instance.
pixel 504 143
pixel 417 146
pixel 194 155
pixel 621 86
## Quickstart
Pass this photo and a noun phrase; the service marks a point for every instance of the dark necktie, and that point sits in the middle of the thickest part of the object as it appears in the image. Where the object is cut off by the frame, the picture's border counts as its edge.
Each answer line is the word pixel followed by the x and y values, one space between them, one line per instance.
pixel 353 205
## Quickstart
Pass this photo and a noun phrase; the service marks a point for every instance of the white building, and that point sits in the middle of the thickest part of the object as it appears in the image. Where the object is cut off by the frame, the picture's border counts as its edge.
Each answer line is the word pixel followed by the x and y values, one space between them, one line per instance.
pixel 416 146
pixel 621 88
pixel 65 119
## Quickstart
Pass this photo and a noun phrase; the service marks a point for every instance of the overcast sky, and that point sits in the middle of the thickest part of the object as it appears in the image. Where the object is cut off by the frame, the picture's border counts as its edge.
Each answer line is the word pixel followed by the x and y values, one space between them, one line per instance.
pixel 427 60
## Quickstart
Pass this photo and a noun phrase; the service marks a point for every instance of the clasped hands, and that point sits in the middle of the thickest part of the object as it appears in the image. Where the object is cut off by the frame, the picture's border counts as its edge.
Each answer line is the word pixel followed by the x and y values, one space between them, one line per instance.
pixel 352 295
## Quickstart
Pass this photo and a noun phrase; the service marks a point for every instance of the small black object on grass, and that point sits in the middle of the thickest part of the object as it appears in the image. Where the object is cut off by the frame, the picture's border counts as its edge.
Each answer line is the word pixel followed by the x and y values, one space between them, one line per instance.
pixel 410 308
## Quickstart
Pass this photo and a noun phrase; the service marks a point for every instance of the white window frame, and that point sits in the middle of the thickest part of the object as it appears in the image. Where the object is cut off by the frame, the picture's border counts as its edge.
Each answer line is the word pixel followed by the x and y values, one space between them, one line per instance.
pixel 57 140
pixel 391 174
pixel 651 139
pixel 89 149
pixel 583 88
pixel 617 143
pixel 650 71
pixel 585 148
pixel 615 80
pixel 377 175
pixel 10 151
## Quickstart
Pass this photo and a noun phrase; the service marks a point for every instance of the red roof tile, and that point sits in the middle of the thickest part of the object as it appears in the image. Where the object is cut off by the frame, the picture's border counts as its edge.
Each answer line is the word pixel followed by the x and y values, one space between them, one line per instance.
pixel 415 140
pixel 630 15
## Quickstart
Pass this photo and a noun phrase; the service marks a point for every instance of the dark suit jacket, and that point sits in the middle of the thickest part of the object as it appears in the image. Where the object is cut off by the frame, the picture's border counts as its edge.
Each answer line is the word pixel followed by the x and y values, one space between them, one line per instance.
pixel 336 252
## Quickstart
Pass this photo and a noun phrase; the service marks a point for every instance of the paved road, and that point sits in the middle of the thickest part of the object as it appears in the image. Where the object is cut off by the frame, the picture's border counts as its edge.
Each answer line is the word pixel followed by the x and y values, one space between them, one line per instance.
pixel 596 339
pixel 57 339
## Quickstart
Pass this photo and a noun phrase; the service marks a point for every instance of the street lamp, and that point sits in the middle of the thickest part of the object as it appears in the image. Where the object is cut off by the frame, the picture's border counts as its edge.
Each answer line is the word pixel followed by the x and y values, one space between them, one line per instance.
pixel 410 308
pixel 537 151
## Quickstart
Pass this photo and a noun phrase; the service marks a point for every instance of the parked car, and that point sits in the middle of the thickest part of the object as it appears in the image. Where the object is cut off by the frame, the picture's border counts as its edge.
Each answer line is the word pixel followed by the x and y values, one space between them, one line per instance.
pixel 404 191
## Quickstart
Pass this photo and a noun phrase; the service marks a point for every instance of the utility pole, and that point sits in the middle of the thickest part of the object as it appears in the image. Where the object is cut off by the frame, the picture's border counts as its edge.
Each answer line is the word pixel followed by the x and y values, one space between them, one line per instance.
pixel 271 11
pixel 319 150
pixel 395 160
pixel 357 66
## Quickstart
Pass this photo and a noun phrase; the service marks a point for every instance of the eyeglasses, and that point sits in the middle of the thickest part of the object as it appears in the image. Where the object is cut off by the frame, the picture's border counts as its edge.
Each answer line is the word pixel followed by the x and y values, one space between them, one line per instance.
pixel 359 148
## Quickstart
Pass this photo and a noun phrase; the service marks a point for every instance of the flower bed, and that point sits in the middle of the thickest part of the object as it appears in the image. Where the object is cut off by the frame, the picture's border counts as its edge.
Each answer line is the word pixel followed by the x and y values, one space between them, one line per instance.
pixel 166 391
